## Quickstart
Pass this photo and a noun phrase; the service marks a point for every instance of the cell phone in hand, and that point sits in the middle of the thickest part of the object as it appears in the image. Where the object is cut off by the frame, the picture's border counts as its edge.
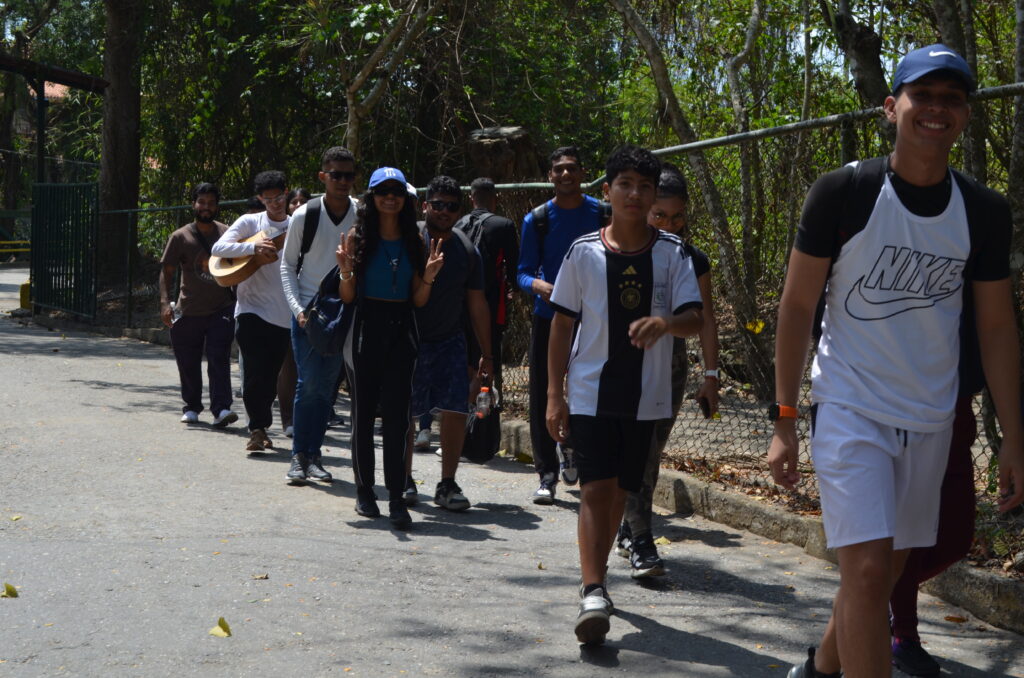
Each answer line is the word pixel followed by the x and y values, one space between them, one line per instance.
pixel 705 407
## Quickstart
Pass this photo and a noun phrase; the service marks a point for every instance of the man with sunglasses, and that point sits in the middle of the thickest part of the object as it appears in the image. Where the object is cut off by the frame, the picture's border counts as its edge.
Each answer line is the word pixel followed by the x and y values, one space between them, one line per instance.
pixel 301 272
pixel 262 316
pixel 441 380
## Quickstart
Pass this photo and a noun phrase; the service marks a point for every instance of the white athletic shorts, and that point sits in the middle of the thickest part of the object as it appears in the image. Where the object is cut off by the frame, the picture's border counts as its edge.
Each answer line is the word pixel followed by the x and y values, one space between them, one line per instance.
pixel 877 481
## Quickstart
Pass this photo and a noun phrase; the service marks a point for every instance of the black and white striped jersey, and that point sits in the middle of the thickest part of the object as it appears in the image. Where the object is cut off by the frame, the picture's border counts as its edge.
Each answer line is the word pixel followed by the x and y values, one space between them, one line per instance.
pixel 606 290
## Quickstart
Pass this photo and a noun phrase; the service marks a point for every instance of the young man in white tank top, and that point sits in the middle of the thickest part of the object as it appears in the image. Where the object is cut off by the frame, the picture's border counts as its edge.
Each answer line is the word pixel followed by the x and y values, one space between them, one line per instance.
pixel 884 379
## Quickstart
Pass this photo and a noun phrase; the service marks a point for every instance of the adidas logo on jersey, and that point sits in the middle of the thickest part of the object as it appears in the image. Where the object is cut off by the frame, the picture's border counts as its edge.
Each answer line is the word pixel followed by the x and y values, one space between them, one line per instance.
pixel 629 270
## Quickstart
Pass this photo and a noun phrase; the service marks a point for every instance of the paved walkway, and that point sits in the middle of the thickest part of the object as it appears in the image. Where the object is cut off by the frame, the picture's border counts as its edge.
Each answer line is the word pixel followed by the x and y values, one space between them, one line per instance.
pixel 136 533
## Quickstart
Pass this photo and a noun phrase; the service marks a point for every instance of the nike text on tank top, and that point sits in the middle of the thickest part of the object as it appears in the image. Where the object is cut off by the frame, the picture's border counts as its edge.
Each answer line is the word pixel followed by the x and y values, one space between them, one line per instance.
pixel 607 290
pixel 890 343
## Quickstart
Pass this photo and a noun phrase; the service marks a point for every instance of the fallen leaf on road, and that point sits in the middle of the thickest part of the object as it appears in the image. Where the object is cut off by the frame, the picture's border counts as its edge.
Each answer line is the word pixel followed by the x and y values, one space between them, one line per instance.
pixel 662 541
pixel 540 566
pixel 221 630
pixel 9 591
pixel 15 517
pixel 955 619
pixel 265 575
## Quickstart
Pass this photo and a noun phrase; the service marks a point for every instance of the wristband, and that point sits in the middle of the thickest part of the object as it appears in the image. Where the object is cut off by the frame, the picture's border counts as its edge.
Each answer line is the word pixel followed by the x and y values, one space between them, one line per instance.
pixel 777 411
pixel 711 373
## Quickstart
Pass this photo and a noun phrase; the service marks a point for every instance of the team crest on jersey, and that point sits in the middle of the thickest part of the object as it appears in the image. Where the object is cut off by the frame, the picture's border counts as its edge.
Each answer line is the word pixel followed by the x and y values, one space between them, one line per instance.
pixel 904 280
pixel 630 296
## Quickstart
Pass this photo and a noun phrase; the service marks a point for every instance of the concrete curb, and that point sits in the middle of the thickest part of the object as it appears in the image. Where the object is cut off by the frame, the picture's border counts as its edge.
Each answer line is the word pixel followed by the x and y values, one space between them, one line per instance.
pixel 993 598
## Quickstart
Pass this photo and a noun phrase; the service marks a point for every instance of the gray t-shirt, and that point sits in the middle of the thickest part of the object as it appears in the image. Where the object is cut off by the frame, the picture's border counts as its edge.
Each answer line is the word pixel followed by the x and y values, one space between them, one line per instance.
pixel 441 317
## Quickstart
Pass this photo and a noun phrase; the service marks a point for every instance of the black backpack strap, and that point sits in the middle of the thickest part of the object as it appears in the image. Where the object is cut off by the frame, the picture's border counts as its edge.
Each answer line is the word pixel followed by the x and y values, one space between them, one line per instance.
pixel 313 208
pixel 606 212
pixel 861 194
pixel 540 227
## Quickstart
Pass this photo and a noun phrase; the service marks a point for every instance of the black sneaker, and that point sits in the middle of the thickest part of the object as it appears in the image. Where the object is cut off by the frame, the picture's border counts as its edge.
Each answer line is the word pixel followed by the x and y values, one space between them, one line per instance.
pixel 910 658
pixel 644 558
pixel 624 541
pixel 335 421
pixel 410 495
pixel 449 495
pixel 316 471
pixel 398 514
pixel 366 502
pixel 545 494
pixel 297 471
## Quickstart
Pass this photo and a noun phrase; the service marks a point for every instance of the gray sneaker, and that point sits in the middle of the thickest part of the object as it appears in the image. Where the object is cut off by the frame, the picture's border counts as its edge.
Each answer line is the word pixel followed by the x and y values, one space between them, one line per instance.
pixel 410 495
pixel 297 471
pixel 545 494
pixel 594 618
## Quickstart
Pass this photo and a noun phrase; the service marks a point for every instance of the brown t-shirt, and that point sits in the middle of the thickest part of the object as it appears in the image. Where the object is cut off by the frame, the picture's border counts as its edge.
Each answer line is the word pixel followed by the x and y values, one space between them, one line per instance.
pixel 199 294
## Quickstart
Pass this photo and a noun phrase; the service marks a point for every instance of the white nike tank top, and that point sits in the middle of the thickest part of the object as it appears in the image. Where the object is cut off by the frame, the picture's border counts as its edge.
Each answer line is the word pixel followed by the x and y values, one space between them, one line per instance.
pixel 890 343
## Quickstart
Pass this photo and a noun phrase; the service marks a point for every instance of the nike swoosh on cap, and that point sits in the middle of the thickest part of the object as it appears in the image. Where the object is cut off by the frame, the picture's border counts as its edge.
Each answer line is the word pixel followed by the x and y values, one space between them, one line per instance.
pixel 935 54
pixel 862 308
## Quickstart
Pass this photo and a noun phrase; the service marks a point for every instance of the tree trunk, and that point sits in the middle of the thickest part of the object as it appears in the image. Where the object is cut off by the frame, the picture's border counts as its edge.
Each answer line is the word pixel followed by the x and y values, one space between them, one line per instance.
pixel 1015 187
pixel 119 164
pixel 863 49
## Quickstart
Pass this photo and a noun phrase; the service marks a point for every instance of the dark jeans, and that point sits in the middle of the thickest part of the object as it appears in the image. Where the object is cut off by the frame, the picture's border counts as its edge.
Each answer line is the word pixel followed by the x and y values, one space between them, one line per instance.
pixel 191 337
pixel 286 379
pixel 263 346
pixel 380 357
pixel 544 458
pixel 956 526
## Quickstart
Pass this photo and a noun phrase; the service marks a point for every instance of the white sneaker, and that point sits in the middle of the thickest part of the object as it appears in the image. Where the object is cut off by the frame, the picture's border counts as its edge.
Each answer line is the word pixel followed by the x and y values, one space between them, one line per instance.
pixel 190 417
pixel 224 418
pixel 289 431
pixel 592 623
pixel 422 439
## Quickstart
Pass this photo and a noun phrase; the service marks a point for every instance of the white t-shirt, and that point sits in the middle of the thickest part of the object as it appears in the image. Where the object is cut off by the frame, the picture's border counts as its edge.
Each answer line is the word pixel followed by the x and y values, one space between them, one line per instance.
pixel 891 339
pixel 261 293
pixel 606 290
pixel 319 260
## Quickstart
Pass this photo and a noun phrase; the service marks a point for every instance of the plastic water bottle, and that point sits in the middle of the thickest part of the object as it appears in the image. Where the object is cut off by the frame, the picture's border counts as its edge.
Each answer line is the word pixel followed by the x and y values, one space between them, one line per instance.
pixel 175 311
pixel 483 402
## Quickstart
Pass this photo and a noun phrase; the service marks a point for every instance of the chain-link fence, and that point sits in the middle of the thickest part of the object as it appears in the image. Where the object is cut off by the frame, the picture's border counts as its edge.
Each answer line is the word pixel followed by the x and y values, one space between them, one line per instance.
pixel 762 183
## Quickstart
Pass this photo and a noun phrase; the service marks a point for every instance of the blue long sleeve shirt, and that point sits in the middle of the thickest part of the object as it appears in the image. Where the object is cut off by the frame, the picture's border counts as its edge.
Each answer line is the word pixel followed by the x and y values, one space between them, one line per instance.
pixel 564 226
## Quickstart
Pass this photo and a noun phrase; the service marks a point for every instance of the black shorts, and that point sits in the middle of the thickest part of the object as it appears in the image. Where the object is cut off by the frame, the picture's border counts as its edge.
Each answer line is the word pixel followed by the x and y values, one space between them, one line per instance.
pixel 608 447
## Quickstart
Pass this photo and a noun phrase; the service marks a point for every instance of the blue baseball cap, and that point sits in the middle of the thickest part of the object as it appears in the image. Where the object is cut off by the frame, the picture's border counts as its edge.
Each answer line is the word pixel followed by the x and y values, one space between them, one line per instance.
pixel 382 174
pixel 937 57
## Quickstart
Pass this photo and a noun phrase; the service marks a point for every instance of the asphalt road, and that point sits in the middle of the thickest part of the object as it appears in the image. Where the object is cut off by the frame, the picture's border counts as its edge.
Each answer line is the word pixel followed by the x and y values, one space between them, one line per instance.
pixel 135 533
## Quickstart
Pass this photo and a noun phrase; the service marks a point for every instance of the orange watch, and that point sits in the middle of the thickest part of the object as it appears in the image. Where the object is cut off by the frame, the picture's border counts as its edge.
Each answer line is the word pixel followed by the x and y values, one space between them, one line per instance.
pixel 777 411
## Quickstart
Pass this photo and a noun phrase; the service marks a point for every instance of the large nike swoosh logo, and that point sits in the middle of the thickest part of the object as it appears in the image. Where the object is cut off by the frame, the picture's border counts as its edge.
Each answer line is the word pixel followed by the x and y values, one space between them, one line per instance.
pixel 940 53
pixel 862 308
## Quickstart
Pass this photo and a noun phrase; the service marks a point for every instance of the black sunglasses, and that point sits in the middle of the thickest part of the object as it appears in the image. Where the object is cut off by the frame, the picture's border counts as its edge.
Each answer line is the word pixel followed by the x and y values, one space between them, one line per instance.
pixel 390 189
pixel 338 175
pixel 438 205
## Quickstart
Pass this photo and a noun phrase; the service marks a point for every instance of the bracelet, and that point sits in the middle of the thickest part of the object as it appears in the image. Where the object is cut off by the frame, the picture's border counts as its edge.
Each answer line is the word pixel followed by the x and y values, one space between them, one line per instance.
pixel 429 282
pixel 341 274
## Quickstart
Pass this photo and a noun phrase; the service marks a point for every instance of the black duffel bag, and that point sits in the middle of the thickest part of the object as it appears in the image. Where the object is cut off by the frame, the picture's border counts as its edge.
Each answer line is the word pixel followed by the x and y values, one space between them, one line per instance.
pixel 328 318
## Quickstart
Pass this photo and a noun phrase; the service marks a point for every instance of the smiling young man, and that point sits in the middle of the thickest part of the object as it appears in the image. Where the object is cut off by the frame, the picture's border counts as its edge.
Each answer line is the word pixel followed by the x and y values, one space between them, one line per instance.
pixel 301 272
pixel 900 241
pixel 548 230
pixel 629 285
pixel 262 316
pixel 440 383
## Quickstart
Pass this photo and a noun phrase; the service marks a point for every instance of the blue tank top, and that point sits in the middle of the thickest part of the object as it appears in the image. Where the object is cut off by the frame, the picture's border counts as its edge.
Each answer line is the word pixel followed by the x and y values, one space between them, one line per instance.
pixel 388 273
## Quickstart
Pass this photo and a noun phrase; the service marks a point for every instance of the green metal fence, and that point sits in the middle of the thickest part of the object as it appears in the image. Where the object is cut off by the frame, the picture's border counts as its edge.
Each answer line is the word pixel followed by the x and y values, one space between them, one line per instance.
pixel 65 222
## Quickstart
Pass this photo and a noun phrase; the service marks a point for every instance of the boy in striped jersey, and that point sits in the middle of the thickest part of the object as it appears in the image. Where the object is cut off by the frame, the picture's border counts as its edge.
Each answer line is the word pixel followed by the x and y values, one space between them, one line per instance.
pixel 629 285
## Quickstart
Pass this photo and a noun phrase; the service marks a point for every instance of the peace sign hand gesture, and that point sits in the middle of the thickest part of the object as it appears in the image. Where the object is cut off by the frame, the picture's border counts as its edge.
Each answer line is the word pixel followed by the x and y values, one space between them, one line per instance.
pixel 345 254
pixel 435 260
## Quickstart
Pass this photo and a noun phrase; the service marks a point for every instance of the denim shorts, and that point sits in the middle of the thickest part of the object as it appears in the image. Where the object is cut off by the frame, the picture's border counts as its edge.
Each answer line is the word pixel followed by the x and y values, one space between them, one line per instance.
pixel 441 381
